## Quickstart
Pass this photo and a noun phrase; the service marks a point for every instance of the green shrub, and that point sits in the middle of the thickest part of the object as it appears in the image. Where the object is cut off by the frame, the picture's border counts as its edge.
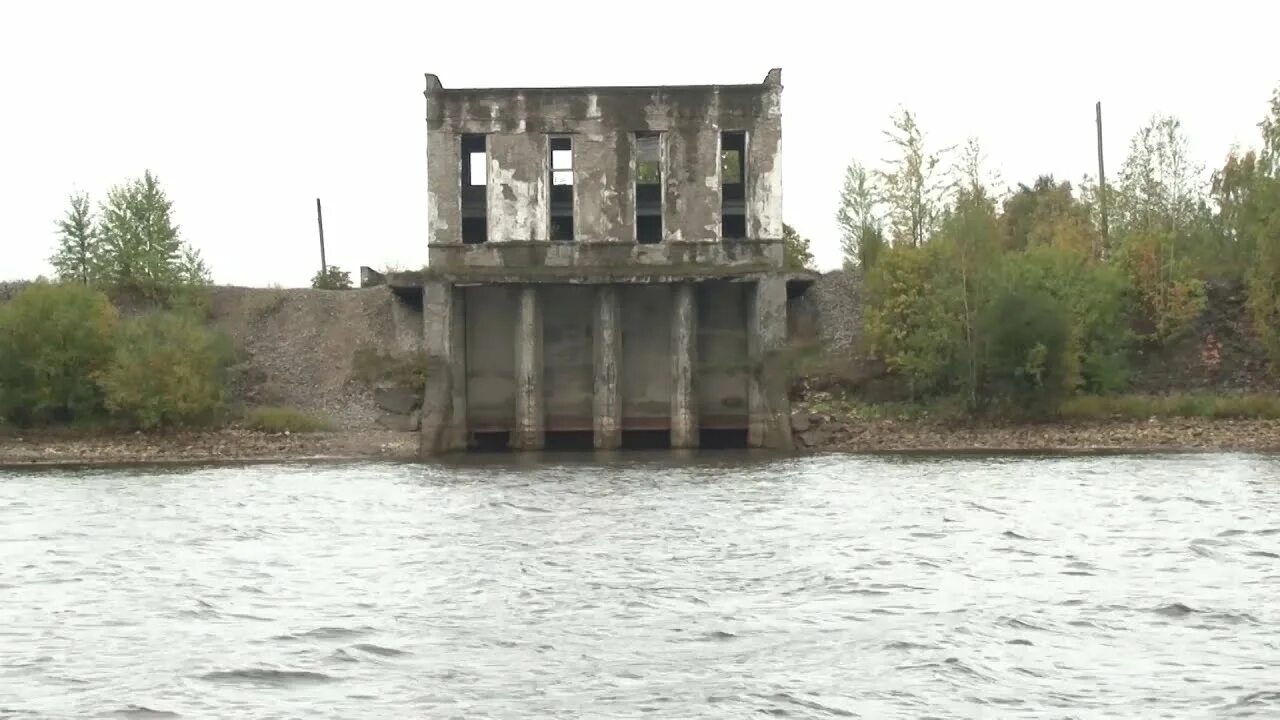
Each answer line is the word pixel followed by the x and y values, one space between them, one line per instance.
pixel 167 370
pixel 914 316
pixel 55 343
pixel 1097 298
pixel 332 278
pixel 1029 364
pixel 281 419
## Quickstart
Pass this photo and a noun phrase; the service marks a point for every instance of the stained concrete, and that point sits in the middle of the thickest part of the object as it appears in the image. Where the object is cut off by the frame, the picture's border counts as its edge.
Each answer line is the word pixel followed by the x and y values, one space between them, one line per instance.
pixel 684 361
pixel 530 425
pixel 606 380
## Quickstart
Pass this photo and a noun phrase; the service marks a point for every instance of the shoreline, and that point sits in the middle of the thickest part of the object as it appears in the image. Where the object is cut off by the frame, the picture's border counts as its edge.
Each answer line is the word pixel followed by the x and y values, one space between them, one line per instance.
pixel 815 434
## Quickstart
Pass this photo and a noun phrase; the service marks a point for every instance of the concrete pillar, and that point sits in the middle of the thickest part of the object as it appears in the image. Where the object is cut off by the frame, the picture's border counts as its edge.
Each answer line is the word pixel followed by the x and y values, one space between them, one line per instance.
pixel 438 335
pixel 529 432
pixel 606 415
pixel 684 364
pixel 458 369
pixel 769 421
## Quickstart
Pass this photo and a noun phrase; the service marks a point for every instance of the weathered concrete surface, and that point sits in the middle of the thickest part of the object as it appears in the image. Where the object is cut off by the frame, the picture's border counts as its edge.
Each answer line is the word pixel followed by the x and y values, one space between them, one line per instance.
pixel 606 353
pixel 491 375
pixel 602 121
pixel 722 355
pixel 697 257
pixel 646 361
pixel 517 188
pixel 528 433
pixel 684 362
pixel 437 400
pixel 770 415
pixel 458 434
pixel 567 376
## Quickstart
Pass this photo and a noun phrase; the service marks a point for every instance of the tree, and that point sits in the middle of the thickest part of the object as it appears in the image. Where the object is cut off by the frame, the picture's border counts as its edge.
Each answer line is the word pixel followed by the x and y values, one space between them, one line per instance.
pixel 910 188
pixel 795 247
pixel 142 250
pixel 1160 223
pixel 970 241
pixel 861 234
pixel 78 253
pixel 1248 192
pixel 334 278
pixel 1047 214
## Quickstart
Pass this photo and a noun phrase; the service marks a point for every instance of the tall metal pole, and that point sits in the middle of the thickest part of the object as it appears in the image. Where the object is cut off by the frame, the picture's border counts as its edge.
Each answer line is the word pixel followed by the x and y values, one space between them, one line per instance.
pixel 1102 180
pixel 324 267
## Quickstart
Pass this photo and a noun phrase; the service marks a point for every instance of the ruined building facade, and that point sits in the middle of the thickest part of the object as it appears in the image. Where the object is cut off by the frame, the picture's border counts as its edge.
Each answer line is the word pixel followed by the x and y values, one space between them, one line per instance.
pixel 606 267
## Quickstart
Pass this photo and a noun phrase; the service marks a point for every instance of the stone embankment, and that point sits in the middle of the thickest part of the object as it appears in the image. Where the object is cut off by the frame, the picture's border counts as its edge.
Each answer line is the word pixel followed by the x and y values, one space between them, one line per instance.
pixel 816 431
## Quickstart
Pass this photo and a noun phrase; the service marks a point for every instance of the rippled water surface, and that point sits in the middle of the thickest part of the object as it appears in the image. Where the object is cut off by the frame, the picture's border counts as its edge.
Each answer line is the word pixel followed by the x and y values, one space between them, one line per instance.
pixel 650 586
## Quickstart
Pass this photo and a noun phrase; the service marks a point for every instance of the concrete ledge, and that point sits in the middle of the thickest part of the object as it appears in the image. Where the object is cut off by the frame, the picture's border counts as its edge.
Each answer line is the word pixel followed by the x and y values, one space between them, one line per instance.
pixel 532 255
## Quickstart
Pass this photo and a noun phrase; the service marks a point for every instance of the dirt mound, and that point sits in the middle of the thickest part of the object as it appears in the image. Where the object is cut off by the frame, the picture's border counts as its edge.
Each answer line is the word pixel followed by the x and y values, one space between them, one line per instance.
pixel 299 347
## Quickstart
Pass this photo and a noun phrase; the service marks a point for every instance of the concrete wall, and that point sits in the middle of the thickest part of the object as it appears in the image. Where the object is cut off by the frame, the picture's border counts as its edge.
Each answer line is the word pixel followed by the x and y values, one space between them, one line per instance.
pixel 567 373
pixel 721 386
pixel 490 339
pixel 601 120
pixel 646 357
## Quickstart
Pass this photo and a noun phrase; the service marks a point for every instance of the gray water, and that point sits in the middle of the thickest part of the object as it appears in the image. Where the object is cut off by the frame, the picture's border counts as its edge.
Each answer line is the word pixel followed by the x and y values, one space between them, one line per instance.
pixel 713 587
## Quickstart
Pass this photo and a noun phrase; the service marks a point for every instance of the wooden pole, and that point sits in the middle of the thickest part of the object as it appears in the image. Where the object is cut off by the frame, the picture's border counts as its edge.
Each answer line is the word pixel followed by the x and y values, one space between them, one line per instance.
pixel 324 267
pixel 1102 180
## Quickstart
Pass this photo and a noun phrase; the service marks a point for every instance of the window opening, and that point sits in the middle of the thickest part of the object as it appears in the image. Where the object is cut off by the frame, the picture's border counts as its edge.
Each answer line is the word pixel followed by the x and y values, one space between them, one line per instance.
pixel 648 187
pixel 733 185
pixel 475 221
pixel 561 188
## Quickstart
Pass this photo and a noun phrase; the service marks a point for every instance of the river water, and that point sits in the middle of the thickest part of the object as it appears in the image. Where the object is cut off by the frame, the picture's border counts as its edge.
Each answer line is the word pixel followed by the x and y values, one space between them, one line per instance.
pixel 715 586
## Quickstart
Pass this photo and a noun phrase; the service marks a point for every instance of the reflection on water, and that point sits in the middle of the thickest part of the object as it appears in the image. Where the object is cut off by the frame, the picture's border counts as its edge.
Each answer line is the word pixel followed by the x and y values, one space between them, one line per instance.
pixel 694 586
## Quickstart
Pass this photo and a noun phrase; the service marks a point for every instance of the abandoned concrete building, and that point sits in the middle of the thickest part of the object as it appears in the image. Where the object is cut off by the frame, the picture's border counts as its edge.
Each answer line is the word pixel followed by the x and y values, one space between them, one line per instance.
pixel 605 268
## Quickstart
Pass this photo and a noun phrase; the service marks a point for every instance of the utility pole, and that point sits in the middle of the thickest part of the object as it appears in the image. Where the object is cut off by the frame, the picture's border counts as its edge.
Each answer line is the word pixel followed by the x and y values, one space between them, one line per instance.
pixel 1102 182
pixel 320 222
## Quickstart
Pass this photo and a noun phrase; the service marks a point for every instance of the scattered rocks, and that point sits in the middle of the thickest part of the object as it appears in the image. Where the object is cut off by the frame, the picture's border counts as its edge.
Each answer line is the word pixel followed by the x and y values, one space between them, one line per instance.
pixel 213 446
pixel 799 422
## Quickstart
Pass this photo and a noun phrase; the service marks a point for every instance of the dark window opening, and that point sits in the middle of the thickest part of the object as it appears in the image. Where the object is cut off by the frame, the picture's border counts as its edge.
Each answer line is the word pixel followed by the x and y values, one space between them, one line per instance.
pixel 722 439
pixel 561 188
pixel 490 442
pixel 646 439
pixel 648 188
pixel 733 185
pixel 557 440
pixel 475 224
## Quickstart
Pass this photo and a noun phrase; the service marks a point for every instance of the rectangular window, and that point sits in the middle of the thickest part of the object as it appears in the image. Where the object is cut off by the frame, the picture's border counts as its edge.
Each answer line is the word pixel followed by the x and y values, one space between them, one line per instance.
pixel 733 185
pixel 648 187
pixel 561 188
pixel 474 175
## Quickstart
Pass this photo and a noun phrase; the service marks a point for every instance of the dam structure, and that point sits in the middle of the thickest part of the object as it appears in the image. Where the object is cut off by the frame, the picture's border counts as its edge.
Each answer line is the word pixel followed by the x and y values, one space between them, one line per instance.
pixel 605 268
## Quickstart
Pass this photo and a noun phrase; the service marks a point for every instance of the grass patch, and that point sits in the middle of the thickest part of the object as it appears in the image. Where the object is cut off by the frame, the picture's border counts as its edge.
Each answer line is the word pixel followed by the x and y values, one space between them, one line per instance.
pixel 281 420
pixel 1141 407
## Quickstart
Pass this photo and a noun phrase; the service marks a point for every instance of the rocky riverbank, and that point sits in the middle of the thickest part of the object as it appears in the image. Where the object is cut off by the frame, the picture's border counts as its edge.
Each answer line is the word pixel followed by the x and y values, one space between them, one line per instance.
pixel 230 445
pixel 827 432
pixel 815 432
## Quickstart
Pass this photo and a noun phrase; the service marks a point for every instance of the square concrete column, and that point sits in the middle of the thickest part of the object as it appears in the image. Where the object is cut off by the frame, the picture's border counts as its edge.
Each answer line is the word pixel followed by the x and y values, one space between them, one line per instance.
pixel 684 366
pixel 440 409
pixel 606 415
pixel 529 432
pixel 769 408
pixel 458 369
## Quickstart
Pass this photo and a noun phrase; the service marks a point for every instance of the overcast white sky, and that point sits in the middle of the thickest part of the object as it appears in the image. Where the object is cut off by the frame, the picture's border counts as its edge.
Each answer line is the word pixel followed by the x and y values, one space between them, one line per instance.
pixel 248 111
